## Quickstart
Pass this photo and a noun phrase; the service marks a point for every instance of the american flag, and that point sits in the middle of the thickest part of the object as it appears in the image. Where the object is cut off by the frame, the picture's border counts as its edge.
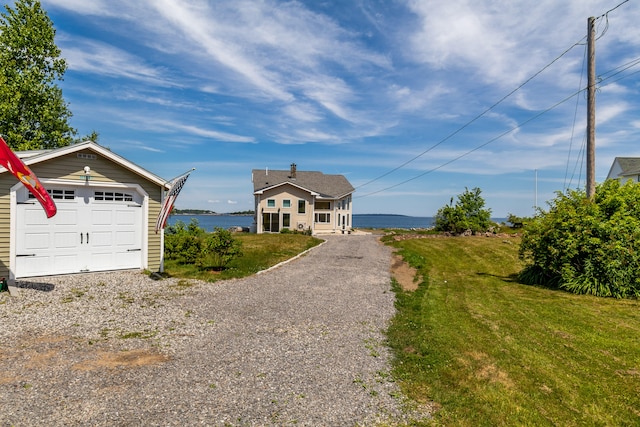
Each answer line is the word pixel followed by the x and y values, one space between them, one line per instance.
pixel 170 199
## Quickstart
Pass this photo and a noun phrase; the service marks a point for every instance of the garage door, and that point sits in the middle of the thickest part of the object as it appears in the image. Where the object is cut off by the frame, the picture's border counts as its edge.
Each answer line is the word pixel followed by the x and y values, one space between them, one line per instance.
pixel 95 229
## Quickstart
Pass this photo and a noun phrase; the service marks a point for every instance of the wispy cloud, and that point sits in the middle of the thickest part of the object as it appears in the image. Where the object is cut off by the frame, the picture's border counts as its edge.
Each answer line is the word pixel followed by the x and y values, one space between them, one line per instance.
pixel 94 57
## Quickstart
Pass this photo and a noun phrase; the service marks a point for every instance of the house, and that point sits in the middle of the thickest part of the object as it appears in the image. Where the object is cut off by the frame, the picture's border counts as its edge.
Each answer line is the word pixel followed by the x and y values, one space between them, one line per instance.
pixel 303 201
pixel 106 212
pixel 625 169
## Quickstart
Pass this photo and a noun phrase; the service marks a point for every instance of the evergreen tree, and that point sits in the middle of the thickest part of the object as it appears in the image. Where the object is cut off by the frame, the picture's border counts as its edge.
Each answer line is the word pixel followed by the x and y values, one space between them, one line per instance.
pixel 33 113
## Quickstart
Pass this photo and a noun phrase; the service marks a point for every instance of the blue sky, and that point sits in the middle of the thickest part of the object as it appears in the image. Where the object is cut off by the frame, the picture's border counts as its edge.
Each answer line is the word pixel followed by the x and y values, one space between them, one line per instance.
pixel 388 93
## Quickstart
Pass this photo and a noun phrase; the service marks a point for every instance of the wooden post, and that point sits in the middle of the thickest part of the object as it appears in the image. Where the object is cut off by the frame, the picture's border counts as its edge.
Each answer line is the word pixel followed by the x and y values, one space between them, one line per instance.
pixel 591 108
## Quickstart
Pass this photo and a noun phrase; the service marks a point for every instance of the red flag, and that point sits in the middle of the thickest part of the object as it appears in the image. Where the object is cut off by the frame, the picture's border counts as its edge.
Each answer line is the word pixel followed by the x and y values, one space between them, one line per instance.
pixel 170 199
pixel 13 164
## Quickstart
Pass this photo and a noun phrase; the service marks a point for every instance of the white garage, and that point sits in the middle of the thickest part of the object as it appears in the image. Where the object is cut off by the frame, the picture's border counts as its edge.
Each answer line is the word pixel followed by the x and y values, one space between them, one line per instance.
pixel 95 229
pixel 106 210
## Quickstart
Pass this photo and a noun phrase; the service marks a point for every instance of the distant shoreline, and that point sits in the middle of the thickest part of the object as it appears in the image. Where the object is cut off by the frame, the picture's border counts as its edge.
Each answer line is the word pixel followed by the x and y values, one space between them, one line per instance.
pixel 232 214
pixel 209 214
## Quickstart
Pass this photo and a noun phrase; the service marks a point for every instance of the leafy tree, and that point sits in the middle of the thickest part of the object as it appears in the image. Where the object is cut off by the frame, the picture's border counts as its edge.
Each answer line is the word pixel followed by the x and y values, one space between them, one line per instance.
pixel 33 113
pixel 587 246
pixel 93 136
pixel 517 221
pixel 467 214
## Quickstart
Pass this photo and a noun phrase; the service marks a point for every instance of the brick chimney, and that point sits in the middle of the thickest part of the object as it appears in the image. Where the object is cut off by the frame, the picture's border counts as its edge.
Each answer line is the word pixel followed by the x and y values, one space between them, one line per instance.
pixel 293 171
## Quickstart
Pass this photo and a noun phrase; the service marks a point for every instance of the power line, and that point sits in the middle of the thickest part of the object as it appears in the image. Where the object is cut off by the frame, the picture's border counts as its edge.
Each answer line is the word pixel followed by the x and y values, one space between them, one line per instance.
pixel 476 148
pixel 633 63
pixel 469 123
pixel 612 9
pixel 575 118
pixel 620 69
pixel 518 126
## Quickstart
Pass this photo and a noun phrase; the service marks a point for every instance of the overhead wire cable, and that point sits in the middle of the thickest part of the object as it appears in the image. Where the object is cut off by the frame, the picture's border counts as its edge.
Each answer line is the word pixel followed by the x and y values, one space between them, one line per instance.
pixel 612 9
pixel 476 148
pixel 481 115
pixel 626 66
pixel 579 162
pixel 469 123
pixel 575 118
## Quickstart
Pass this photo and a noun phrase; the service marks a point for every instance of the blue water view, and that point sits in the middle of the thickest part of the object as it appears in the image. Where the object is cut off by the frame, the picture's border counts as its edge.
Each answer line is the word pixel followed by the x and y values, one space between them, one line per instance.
pixel 210 222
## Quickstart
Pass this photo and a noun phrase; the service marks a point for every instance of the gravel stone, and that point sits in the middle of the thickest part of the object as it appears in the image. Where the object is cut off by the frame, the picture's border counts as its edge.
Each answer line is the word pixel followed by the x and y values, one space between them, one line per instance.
pixel 300 344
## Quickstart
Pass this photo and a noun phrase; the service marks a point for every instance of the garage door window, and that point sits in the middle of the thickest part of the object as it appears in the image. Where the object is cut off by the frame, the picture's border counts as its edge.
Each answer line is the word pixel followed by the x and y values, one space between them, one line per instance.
pixel 113 196
pixel 59 194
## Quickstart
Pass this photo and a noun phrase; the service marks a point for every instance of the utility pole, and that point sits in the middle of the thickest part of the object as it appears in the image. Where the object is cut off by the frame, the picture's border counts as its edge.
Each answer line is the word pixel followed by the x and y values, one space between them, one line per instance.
pixel 591 108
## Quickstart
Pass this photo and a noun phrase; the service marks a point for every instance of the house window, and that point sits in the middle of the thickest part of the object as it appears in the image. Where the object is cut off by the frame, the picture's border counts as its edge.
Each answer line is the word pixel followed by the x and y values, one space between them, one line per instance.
pixel 271 203
pixel 286 220
pixel 270 222
pixel 324 218
pixel 301 206
pixel 323 205
pixel 286 203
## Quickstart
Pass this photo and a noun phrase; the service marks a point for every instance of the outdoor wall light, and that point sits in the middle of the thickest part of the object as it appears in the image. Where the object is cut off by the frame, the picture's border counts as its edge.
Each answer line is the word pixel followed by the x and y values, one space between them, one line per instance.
pixel 87 173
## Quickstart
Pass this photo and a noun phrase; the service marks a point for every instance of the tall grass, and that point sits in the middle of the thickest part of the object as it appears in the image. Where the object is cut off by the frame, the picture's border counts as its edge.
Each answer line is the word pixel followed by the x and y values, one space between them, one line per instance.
pixel 490 351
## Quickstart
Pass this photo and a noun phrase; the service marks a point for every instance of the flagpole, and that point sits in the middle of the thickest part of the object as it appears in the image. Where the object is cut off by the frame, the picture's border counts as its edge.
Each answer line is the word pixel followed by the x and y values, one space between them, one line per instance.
pixel 179 176
pixel 169 197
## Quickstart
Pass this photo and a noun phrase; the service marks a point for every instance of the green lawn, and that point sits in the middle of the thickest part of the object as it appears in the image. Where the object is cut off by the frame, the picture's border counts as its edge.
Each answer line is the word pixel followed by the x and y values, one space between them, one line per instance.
pixel 260 251
pixel 490 351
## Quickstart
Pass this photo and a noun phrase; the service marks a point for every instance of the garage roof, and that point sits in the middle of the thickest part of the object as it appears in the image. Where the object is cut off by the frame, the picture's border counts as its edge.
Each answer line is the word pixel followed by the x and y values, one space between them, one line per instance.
pixel 36 156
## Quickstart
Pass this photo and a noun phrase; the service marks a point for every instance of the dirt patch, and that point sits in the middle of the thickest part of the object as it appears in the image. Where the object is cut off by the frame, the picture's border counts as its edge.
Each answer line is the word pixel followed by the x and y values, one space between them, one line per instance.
pixel 485 369
pixel 404 274
pixel 122 359
pixel 28 356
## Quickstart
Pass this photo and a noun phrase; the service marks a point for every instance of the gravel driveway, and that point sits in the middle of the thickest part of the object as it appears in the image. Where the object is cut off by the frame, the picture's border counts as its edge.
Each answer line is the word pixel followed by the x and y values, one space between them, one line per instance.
pixel 300 344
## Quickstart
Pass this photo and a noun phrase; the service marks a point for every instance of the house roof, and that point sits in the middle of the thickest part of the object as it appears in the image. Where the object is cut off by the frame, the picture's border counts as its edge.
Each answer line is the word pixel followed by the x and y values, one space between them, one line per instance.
pixel 628 166
pixel 36 156
pixel 325 186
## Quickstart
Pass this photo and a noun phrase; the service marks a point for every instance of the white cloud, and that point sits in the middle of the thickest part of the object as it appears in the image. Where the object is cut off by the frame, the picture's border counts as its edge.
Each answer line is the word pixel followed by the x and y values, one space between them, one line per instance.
pixel 93 7
pixel 94 57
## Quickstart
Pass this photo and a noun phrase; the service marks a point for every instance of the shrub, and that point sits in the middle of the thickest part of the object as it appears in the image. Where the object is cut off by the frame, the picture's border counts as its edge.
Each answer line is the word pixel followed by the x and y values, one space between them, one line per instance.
pixel 220 247
pixel 190 244
pixel 467 214
pixel 587 246
pixel 183 243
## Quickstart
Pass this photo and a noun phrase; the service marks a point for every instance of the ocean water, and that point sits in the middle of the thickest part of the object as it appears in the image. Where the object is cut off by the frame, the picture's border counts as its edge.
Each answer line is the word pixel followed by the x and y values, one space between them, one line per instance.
pixel 210 222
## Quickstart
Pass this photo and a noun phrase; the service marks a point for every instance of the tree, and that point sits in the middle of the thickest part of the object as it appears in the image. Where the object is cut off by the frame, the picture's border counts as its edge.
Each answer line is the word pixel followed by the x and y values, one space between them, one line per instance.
pixel 467 214
pixel 33 113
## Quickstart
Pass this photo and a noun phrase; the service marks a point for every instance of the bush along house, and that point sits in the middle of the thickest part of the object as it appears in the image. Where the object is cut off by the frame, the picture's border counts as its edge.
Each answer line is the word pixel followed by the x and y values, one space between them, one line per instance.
pixel 301 201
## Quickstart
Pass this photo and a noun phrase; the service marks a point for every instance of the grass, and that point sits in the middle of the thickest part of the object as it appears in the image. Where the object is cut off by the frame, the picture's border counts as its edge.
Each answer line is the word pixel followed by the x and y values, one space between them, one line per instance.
pixel 260 251
pixel 487 350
